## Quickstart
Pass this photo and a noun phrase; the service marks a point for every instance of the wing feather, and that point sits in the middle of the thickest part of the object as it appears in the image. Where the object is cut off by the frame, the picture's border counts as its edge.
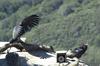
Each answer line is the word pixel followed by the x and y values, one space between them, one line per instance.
pixel 24 26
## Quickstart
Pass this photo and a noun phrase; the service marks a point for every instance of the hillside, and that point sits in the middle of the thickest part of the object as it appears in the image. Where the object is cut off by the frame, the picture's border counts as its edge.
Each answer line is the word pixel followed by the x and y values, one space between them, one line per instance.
pixel 64 23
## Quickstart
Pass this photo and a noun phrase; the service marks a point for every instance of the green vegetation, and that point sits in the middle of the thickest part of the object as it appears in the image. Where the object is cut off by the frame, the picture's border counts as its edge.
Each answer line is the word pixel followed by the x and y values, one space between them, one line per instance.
pixel 64 23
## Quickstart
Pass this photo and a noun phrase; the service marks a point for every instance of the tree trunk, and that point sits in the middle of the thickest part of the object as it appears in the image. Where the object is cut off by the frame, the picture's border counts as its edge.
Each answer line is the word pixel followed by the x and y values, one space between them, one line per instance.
pixel 27 47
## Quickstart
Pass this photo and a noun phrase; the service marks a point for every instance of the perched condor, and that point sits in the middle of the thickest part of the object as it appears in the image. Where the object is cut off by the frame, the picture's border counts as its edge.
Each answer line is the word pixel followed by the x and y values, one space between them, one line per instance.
pixel 24 26
pixel 77 52
pixel 12 59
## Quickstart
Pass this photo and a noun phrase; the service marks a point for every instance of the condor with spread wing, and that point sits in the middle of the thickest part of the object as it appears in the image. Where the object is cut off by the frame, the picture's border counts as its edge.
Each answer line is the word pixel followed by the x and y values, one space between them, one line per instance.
pixel 24 26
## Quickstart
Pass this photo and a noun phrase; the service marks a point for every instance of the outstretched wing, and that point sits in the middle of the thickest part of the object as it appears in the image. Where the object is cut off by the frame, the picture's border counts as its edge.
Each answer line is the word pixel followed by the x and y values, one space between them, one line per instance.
pixel 30 22
pixel 24 26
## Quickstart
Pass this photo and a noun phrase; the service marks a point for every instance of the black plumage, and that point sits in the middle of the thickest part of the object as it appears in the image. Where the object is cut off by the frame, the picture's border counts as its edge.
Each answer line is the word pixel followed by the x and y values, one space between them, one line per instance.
pixel 78 52
pixel 12 59
pixel 24 26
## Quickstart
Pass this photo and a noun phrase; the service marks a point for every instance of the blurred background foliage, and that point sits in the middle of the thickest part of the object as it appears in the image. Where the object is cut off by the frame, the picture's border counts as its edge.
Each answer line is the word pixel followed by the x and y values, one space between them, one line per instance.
pixel 64 24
